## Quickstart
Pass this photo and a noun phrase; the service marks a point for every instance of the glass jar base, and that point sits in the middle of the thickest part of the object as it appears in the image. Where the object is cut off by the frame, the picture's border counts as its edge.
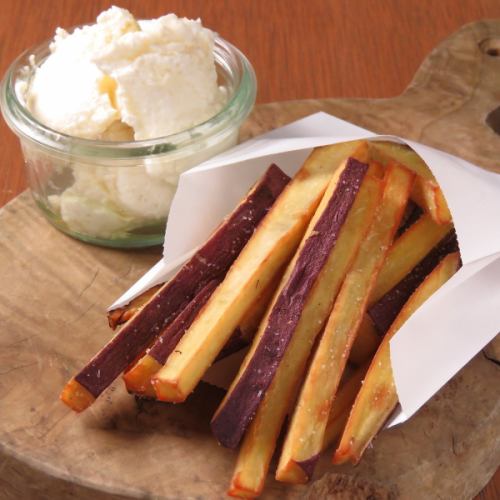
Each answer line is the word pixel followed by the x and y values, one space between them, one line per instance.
pixel 145 237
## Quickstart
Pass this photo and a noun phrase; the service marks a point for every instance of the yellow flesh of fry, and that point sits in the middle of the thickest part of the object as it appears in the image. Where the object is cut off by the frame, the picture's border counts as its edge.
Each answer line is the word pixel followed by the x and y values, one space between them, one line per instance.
pixel 138 378
pixel 342 405
pixel 307 429
pixel 426 192
pixel 443 214
pixel 430 198
pixel 383 152
pixel 260 439
pixel 377 397
pixel 406 252
pixel 270 247
pixel 361 155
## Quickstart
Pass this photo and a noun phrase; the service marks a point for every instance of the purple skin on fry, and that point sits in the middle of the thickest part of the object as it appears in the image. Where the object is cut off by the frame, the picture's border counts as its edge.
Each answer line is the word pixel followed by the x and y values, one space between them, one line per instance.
pixel 235 414
pixel 170 336
pixel 411 215
pixel 384 312
pixel 308 465
pixel 212 261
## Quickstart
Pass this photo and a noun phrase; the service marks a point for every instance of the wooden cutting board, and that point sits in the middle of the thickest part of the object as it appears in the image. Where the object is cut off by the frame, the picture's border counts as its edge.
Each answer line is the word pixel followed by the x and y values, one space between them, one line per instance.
pixel 53 295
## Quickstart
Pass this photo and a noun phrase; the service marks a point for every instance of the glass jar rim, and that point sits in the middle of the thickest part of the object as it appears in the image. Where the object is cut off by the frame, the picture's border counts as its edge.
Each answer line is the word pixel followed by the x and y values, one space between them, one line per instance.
pixel 235 110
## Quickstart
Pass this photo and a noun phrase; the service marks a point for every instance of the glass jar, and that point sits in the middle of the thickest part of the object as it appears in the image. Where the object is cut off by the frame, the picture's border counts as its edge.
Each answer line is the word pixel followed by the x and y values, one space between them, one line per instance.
pixel 118 194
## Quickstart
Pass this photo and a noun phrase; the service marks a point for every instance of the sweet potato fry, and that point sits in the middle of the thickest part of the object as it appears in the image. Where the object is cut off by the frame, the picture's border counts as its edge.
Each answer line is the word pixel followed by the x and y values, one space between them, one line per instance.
pixel 254 456
pixel 138 377
pixel 412 213
pixel 301 305
pixel 342 405
pixel 260 439
pixel 376 169
pixel 384 312
pixel 366 342
pixel 377 398
pixel 211 261
pixel 271 246
pixel 428 195
pixel 406 252
pixel 426 192
pixel 121 315
pixel 305 436
pixel 384 152
pixel 416 241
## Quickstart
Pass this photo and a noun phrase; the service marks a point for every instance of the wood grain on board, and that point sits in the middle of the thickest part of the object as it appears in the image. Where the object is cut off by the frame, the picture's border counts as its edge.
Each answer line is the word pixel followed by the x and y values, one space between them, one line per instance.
pixel 52 318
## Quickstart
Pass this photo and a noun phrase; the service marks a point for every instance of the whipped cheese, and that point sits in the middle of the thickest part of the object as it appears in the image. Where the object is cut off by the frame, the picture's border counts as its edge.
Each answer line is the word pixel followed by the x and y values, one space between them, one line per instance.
pixel 120 80
pixel 143 79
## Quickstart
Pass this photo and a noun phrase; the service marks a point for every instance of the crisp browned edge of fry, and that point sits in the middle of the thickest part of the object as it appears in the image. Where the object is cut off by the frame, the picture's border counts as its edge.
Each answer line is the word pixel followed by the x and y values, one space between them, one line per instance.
pixel 342 404
pixel 374 379
pixel 443 214
pixel 428 195
pixel 406 252
pixel 426 191
pixel 238 490
pixel 386 151
pixel 138 377
pixel 304 439
pixel 121 315
pixel 261 436
pixel 376 169
pixel 180 375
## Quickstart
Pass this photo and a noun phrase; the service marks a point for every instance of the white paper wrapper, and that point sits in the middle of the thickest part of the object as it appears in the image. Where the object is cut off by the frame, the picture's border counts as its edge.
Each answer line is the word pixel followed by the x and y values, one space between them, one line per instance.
pixel 447 331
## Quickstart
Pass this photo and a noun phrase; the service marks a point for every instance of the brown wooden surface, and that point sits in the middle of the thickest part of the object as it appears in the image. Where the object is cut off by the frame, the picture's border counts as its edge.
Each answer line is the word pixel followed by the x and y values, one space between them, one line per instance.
pixel 299 49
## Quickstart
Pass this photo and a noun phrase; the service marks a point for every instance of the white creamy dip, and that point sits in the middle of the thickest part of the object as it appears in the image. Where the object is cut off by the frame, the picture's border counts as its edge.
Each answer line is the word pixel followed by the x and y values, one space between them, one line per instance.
pixel 122 79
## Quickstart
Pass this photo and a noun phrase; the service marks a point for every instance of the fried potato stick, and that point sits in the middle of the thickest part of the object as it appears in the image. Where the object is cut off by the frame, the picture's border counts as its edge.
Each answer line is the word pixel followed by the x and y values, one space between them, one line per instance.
pixel 261 436
pixel 138 377
pixel 342 404
pixel 403 257
pixel 366 342
pixel 406 252
pixel 271 246
pixel 426 191
pixel 428 195
pixel 117 317
pixel 211 261
pixel 305 436
pixel 377 398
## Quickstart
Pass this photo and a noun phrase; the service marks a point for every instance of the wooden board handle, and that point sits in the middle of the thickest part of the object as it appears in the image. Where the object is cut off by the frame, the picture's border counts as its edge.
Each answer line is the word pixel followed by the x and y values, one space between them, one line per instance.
pixel 451 104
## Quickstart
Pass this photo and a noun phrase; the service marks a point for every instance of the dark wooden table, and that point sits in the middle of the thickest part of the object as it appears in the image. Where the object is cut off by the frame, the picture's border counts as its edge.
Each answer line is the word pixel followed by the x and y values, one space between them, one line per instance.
pixel 300 49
